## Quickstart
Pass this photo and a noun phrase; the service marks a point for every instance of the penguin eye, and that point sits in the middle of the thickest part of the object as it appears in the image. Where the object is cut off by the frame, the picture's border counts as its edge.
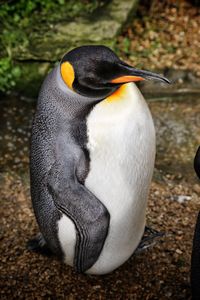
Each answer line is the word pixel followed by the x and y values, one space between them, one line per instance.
pixel 106 70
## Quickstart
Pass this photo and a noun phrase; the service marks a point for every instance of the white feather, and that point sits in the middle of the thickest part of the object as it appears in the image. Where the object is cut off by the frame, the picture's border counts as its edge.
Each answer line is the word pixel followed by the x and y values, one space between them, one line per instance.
pixel 121 143
pixel 67 238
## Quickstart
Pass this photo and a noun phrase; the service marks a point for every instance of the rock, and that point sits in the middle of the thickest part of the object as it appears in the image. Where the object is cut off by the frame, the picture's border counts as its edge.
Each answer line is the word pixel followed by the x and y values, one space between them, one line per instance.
pixel 100 27
pixel 49 42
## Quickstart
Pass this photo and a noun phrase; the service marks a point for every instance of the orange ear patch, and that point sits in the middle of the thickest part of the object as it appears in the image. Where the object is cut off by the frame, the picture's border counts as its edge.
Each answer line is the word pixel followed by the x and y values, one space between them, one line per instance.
pixel 68 74
pixel 124 79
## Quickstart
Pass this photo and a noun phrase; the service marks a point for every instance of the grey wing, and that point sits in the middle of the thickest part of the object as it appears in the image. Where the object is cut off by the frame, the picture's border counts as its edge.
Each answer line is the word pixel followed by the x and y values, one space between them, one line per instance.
pixel 72 198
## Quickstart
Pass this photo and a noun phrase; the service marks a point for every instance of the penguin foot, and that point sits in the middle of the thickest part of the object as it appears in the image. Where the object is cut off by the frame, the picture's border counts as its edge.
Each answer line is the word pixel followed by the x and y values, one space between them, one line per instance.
pixel 149 239
pixel 39 245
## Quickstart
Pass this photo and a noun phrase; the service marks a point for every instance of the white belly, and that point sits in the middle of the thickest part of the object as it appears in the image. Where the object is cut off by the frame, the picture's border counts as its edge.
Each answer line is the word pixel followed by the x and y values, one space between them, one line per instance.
pixel 121 142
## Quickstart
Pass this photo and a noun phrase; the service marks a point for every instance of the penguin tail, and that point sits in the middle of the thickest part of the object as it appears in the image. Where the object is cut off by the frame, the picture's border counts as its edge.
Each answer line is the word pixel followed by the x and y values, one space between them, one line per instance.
pixel 39 245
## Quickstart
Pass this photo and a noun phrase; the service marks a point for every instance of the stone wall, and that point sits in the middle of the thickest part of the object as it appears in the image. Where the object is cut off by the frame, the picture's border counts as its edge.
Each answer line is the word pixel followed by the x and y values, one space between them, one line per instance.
pixel 47 45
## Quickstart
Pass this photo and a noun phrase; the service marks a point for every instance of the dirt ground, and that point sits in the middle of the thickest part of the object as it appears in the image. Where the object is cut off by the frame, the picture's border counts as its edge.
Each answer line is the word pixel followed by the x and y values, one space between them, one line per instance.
pixel 163 34
pixel 162 272
pixel 159 273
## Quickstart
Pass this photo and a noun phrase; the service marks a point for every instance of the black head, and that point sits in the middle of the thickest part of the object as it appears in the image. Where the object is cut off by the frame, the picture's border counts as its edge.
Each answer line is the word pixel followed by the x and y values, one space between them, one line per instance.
pixel 96 71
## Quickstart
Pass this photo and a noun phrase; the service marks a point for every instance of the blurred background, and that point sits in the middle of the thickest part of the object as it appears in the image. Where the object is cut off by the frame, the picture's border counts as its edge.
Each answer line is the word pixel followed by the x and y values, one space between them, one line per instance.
pixel 154 35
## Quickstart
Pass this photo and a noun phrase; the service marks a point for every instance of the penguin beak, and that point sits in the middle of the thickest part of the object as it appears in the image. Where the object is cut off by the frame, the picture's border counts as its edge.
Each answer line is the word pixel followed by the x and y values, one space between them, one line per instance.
pixel 131 74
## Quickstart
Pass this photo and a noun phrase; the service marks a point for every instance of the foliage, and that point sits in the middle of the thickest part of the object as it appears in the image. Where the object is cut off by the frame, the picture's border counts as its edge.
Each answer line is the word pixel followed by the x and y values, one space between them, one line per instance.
pixel 8 74
pixel 21 10
pixel 19 18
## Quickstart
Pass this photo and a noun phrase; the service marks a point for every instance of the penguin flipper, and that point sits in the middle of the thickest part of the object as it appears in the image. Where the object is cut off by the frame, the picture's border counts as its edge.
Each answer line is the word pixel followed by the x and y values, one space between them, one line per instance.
pixel 88 214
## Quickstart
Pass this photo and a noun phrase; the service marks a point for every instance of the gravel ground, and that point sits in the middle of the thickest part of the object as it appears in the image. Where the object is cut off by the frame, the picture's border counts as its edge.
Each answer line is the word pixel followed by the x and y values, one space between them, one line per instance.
pixel 164 34
pixel 161 272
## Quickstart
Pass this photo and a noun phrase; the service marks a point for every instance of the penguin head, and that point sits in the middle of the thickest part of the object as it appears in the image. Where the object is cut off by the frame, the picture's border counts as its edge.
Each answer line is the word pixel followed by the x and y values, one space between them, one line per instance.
pixel 96 71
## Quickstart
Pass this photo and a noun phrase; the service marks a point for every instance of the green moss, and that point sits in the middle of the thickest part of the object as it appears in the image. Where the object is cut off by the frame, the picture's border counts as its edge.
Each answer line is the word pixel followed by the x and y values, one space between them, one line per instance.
pixel 22 19
pixel 9 73
pixel 36 33
pixel 32 75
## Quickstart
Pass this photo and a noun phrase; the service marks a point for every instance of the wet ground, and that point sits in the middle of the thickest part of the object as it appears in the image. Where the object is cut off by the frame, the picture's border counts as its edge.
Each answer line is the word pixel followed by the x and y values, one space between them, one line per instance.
pixel 159 273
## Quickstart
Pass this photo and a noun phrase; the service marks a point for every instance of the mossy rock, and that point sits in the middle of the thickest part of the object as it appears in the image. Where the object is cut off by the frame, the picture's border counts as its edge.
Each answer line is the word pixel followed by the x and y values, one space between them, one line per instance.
pixel 47 45
pixel 32 75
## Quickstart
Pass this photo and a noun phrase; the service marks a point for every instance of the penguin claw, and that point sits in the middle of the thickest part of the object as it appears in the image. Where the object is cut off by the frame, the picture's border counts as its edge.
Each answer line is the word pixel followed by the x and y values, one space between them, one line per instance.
pixel 149 239
pixel 38 245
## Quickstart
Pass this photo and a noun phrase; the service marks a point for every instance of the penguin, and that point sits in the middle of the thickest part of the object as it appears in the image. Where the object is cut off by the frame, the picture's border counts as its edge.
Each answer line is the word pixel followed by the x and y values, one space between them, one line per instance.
pixel 195 260
pixel 197 162
pixel 92 159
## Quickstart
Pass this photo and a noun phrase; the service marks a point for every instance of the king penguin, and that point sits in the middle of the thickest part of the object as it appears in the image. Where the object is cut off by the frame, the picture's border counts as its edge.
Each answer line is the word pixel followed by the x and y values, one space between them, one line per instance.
pixel 92 159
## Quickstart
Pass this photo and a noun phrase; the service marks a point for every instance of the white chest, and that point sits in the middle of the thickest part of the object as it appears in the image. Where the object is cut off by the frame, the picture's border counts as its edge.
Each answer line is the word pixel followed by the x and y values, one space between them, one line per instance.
pixel 121 141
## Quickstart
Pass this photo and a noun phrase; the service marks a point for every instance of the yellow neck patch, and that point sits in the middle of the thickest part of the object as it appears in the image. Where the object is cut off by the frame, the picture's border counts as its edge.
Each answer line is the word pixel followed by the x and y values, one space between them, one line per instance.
pixel 117 95
pixel 68 74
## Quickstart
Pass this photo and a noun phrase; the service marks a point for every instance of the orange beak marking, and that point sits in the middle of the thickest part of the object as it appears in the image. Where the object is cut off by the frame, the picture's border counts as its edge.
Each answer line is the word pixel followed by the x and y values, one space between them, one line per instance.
pixel 124 79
